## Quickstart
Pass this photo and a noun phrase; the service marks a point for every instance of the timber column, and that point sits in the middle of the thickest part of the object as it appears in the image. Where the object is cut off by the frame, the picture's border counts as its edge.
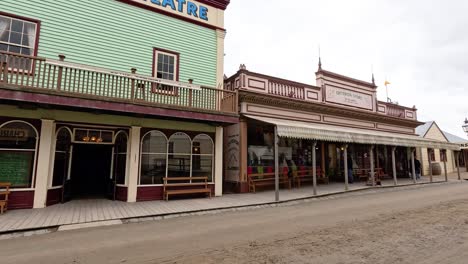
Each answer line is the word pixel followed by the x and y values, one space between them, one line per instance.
pixel 134 164
pixel 218 179
pixel 46 140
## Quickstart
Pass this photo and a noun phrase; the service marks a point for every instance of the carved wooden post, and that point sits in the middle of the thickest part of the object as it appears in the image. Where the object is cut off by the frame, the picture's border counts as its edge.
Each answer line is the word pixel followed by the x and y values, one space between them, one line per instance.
pixel 430 166
pixel 314 166
pixel 276 165
pixel 190 95
pixel 345 157
pixel 395 181
pixel 457 163
pixel 4 71
pixel 372 166
pixel 133 70
pixel 413 168
pixel 60 72
pixel 445 165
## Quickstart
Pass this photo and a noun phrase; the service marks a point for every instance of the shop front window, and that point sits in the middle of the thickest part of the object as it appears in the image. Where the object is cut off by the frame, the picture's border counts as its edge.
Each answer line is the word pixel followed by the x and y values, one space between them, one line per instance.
pixel 153 158
pixel 62 156
pixel 120 157
pixel 179 155
pixel 18 146
pixel 202 157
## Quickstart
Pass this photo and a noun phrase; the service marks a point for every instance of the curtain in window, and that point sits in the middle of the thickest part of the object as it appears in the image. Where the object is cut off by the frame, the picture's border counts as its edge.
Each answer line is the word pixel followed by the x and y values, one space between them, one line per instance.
pixel 4 25
pixel 30 31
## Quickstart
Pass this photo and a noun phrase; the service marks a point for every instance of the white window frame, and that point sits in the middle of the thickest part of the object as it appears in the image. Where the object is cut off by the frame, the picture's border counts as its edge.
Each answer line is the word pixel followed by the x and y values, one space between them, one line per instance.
pixel 206 155
pixel 33 47
pixel 33 176
pixel 52 160
pixel 176 64
pixel 127 158
pixel 151 153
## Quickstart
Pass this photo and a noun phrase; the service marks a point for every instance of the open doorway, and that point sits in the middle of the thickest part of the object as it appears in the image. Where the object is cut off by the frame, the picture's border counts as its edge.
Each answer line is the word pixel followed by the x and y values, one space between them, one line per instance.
pixel 90 172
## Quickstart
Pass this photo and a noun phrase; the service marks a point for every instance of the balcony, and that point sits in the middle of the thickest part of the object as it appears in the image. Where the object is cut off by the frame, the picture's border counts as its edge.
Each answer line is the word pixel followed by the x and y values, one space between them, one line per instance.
pixel 82 84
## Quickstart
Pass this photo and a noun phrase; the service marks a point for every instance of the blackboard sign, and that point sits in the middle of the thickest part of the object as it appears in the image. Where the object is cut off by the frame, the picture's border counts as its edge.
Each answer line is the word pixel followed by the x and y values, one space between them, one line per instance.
pixel 15 167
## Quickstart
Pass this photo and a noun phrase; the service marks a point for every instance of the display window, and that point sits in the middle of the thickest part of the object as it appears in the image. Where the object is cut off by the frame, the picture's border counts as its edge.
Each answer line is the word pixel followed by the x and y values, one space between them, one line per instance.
pixel 18 149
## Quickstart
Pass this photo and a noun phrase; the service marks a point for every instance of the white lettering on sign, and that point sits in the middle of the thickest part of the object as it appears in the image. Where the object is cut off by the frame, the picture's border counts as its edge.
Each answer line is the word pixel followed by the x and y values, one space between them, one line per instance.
pixel 348 97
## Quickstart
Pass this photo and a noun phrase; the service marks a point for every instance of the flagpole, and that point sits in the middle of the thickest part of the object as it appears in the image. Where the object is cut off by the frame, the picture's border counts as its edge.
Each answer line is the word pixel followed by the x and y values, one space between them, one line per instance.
pixel 386 88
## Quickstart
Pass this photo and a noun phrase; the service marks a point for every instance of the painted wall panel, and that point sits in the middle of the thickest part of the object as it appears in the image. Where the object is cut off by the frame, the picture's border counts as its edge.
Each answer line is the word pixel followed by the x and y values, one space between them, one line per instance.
pixel 118 36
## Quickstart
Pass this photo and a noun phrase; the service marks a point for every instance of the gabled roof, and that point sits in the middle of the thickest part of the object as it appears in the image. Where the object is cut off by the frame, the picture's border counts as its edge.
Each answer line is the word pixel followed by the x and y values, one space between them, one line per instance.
pixel 454 139
pixel 423 129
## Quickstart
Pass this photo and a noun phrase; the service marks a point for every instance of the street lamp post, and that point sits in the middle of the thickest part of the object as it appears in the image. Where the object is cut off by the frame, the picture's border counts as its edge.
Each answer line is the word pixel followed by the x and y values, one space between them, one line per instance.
pixel 465 126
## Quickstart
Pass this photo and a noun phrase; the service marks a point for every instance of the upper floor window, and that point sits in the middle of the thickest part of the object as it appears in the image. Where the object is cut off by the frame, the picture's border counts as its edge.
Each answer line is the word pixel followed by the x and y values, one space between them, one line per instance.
pixel 166 65
pixel 17 35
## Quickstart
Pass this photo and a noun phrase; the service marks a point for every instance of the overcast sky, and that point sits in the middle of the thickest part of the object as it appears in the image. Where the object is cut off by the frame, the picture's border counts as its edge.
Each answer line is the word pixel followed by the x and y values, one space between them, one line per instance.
pixel 421 46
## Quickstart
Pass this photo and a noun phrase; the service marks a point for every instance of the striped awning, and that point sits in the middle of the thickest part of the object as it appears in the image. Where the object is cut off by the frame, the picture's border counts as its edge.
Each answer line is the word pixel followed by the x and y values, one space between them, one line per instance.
pixel 314 131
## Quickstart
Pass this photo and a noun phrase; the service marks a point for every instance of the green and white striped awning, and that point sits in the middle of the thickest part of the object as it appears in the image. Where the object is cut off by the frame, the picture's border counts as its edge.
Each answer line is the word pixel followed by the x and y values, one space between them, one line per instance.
pixel 314 131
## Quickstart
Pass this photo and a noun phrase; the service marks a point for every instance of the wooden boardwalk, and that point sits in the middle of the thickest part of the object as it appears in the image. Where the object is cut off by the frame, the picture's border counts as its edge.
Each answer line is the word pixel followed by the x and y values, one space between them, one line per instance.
pixel 93 210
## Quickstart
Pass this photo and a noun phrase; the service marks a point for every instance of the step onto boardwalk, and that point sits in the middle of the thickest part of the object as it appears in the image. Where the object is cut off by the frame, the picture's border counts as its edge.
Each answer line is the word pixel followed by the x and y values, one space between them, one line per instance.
pixel 95 210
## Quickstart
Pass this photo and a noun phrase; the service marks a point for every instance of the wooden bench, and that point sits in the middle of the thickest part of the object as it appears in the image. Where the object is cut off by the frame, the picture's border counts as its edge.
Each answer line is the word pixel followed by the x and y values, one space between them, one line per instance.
pixel 185 185
pixel 4 192
pixel 307 176
pixel 266 179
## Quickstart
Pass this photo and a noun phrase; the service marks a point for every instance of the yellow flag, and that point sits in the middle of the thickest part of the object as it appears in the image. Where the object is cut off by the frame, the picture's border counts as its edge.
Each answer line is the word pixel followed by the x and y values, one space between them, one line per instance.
pixel 387 83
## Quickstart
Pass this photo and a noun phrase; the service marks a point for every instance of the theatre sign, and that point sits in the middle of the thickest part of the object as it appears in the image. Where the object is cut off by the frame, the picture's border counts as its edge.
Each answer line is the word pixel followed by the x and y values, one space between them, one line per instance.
pixel 192 10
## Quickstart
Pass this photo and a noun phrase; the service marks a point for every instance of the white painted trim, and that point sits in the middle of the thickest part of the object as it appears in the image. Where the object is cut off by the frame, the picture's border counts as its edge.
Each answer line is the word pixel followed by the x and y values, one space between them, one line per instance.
pixel 43 162
pixel 33 176
pixel 141 151
pixel 52 159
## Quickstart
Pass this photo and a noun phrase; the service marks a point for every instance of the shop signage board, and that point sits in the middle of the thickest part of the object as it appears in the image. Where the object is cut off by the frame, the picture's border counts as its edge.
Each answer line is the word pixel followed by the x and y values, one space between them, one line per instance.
pixel 13 134
pixel 15 167
pixel 349 98
pixel 464 146
pixel 188 9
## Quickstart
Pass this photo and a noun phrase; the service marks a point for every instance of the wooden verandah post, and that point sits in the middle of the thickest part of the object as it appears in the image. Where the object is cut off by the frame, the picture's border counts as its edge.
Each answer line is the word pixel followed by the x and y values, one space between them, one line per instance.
pixel 314 166
pixel 413 168
pixel 276 165
pixel 395 181
pixel 345 157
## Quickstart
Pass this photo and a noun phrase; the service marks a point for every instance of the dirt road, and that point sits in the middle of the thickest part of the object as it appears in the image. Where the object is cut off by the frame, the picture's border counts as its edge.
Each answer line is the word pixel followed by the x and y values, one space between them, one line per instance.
pixel 420 225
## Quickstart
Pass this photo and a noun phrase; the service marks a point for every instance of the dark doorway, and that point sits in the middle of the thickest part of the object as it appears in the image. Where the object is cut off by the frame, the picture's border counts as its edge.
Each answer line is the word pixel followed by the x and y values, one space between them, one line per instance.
pixel 90 175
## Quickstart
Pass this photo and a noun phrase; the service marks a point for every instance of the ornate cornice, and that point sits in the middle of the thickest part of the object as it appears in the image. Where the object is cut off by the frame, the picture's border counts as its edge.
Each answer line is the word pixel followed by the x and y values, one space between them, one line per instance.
pixel 221 4
pixel 322 108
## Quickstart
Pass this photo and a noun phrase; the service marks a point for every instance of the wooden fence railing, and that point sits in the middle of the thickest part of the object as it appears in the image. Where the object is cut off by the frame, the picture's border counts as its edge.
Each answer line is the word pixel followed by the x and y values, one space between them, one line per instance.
pixel 91 82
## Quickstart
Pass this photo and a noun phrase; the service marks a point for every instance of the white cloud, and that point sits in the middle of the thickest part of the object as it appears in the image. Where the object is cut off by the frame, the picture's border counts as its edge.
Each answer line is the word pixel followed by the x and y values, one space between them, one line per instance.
pixel 421 46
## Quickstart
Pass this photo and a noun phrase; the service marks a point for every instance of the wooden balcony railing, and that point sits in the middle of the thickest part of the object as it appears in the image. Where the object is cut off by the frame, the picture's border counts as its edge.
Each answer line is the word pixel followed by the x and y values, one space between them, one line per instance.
pixel 395 111
pixel 286 90
pixel 77 80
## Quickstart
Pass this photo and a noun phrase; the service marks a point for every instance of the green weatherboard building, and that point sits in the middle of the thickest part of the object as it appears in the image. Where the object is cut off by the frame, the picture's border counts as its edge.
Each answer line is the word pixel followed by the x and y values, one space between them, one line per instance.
pixel 111 99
